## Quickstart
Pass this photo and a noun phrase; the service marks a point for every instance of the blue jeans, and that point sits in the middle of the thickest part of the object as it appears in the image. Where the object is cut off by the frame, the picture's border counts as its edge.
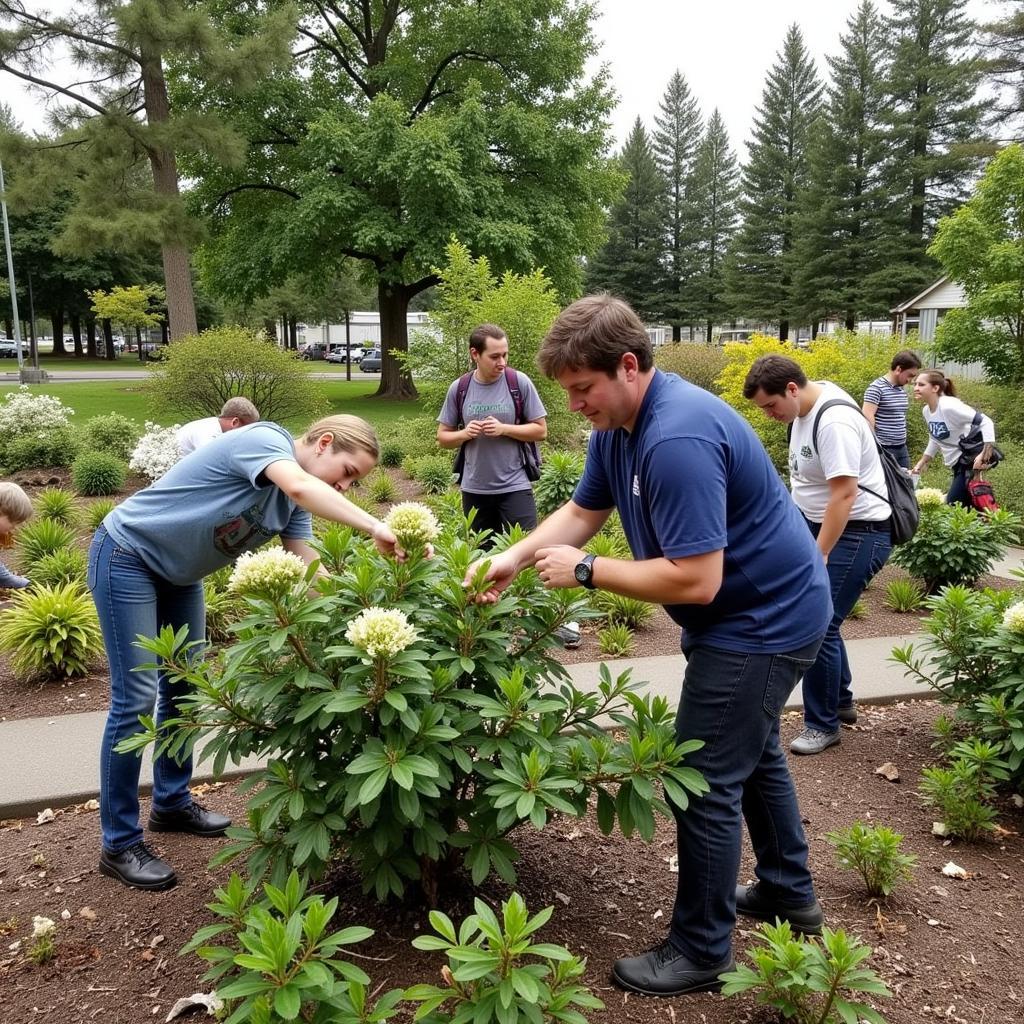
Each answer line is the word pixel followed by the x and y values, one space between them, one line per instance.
pixel 732 702
pixel 132 600
pixel 900 452
pixel 958 493
pixel 856 557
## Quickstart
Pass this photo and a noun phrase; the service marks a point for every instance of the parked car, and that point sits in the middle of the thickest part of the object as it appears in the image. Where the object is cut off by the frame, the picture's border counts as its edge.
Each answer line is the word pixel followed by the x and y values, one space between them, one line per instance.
pixel 371 361
pixel 316 350
pixel 9 349
pixel 337 355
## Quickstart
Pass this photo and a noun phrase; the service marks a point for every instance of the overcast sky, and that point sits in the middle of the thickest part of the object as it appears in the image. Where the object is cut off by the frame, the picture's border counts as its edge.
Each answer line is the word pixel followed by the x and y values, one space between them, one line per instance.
pixel 724 49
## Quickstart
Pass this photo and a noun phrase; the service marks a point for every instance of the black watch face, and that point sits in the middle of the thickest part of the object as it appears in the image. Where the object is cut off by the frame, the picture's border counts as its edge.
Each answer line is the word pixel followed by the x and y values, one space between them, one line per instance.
pixel 582 572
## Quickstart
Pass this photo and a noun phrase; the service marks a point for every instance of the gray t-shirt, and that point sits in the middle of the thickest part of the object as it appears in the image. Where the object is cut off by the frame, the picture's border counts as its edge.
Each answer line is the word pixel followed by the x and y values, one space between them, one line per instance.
pixel 211 506
pixel 494 465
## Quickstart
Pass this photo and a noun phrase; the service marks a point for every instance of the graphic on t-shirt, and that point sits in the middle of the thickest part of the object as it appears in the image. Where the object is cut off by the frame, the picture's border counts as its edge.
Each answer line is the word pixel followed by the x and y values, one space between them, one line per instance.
pixel 805 451
pixel 236 535
pixel 938 430
pixel 483 409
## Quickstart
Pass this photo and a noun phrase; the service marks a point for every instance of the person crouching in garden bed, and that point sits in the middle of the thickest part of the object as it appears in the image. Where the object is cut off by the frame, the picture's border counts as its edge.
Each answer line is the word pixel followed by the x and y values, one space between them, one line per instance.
pixel 146 567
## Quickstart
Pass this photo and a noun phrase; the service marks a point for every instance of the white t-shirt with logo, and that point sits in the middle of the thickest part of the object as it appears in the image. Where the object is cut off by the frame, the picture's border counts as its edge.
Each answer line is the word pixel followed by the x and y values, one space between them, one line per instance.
pixel 952 420
pixel 197 433
pixel 846 447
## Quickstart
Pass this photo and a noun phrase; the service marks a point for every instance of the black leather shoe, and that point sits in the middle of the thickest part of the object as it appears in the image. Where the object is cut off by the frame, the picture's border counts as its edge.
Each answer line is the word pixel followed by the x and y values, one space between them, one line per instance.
pixel 138 867
pixel 664 971
pixel 194 819
pixel 753 901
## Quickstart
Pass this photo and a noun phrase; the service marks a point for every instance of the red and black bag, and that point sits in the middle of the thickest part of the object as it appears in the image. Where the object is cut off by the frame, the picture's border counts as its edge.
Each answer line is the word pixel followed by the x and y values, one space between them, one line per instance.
pixel 983 498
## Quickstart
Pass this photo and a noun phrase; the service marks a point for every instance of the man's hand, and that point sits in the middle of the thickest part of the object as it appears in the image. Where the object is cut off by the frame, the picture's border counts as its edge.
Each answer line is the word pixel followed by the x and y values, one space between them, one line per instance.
pixel 492 427
pixel 502 570
pixel 474 428
pixel 557 566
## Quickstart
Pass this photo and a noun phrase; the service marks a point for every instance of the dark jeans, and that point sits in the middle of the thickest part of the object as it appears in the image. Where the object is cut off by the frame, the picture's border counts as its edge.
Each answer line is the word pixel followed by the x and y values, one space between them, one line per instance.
pixel 131 600
pixel 857 556
pixel 498 512
pixel 732 702
pixel 900 452
pixel 958 493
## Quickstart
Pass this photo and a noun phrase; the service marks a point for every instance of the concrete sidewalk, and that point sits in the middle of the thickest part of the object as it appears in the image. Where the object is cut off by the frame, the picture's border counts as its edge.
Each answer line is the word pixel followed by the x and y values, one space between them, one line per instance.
pixel 53 762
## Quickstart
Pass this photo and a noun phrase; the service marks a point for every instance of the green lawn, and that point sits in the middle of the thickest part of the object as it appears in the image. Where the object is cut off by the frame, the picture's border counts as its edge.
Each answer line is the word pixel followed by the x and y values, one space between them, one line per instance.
pixel 93 398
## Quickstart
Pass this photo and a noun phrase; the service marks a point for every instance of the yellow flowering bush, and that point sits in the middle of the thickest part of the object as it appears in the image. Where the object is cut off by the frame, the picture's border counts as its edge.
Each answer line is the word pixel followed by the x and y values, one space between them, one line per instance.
pixel 930 496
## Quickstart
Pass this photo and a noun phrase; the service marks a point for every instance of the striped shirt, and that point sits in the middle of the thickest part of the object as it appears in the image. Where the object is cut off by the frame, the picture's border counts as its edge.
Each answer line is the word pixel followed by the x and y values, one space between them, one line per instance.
pixel 891 414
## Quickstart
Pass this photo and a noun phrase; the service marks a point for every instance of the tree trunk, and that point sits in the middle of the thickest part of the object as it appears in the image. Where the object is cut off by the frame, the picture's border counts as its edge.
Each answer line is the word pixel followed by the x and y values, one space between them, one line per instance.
pixel 75 320
pixel 348 345
pixel 393 302
pixel 57 323
pixel 8 329
pixel 270 326
pixel 677 332
pixel 181 303
pixel 783 330
pixel 90 339
pixel 108 340
pixel 293 333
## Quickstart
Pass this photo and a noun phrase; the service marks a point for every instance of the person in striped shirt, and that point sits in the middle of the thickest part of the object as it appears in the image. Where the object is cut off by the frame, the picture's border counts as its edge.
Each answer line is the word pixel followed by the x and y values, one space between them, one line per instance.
pixel 885 405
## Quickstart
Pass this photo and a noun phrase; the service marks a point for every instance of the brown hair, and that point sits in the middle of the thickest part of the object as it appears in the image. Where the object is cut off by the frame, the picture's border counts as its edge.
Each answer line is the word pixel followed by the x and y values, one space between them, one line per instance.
pixel 771 374
pixel 905 360
pixel 350 434
pixel 478 339
pixel 594 333
pixel 938 378
pixel 239 408
pixel 14 503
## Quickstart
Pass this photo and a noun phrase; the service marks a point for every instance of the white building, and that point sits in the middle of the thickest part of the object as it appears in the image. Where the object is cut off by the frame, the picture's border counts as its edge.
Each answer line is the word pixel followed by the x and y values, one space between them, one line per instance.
pixel 924 311
pixel 363 330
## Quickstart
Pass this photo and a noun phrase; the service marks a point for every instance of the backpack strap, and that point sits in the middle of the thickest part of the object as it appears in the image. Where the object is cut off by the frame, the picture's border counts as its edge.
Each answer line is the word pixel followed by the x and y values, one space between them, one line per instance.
pixel 460 396
pixel 814 440
pixel 518 402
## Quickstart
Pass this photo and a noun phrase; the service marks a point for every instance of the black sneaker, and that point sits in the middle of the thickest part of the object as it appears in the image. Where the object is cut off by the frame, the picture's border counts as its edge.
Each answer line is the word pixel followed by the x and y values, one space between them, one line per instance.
pixel 752 901
pixel 848 714
pixel 664 971
pixel 139 867
pixel 194 819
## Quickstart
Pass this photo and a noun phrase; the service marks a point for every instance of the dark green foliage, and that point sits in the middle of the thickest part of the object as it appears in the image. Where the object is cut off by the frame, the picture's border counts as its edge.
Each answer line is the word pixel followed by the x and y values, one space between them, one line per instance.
pixel 873 851
pixel 65 565
pixel 904 596
pixel 57 447
pixel 391 454
pixel 629 263
pixel 41 537
pixel 97 473
pixel 381 488
pixel 112 433
pixel 98 511
pixel 434 472
pixel 616 641
pixel 963 793
pixel 559 476
pixel 55 503
pixel 622 611
pixel 700 364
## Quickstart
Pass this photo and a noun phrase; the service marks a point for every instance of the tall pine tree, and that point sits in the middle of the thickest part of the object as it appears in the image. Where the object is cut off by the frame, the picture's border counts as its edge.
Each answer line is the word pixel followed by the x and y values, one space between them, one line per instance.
pixel 677 135
pixel 1003 50
pixel 714 189
pixel 840 269
pixel 936 142
pixel 760 268
pixel 630 262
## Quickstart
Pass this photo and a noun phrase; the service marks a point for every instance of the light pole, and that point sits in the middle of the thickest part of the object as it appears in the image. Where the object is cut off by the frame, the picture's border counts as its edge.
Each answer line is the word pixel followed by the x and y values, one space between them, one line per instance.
pixel 10 272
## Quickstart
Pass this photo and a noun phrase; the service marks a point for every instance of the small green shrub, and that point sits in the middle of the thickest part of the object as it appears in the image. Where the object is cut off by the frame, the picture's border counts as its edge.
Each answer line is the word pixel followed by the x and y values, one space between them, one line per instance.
pixel 1008 477
pixel 559 476
pixel 56 447
pixel 873 851
pixel 391 455
pixel 944 729
pixel 222 609
pixel 616 641
pixel 608 545
pixel 112 433
pixel 859 609
pixel 65 565
pixel 380 488
pixel 962 794
pixel 434 473
pixel 98 511
pixel 416 437
pixel 700 364
pixel 42 537
pixel 56 503
pixel 904 596
pixel 51 631
pixel 955 545
pixel 806 980
pixel 96 473
pixel 630 612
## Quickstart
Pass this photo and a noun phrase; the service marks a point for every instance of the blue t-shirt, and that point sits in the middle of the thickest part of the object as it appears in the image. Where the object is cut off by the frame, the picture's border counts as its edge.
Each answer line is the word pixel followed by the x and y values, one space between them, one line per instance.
pixel 692 478
pixel 211 506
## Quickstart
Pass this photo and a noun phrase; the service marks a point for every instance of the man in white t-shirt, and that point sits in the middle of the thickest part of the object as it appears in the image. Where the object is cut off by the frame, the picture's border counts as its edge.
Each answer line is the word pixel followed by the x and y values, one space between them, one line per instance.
pixel 236 412
pixel 838 484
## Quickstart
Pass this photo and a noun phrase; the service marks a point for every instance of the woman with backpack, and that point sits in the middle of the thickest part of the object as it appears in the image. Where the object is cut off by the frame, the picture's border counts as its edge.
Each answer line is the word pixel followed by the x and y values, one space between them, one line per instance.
pixel 965 437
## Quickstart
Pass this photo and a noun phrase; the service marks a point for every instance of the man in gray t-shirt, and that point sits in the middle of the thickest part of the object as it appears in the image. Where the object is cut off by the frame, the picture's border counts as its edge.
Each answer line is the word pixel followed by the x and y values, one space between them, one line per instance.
pixel 494 482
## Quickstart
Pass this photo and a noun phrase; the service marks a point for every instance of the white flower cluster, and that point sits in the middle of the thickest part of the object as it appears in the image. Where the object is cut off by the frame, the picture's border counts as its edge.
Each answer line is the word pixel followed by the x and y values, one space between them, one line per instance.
pixel 22 414
pixel 930 496
pixel 381 632
pixel 271 572
pixel 1013 618
pixel 42 926
pixel 156 451
pixel 412 523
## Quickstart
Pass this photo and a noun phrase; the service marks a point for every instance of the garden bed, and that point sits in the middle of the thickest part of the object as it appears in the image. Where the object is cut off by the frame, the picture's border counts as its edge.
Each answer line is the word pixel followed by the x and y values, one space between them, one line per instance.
pixel 949 949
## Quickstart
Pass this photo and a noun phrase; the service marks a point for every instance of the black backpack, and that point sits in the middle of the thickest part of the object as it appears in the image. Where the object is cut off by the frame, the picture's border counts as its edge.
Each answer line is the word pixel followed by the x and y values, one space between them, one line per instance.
pixel 904 513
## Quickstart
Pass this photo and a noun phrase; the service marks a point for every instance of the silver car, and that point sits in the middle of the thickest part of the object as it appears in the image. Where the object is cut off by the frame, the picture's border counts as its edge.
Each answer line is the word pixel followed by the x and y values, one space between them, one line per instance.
pixel 371 361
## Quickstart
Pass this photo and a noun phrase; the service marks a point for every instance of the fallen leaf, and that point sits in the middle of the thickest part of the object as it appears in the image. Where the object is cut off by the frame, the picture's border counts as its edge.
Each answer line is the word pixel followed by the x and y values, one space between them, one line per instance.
pixel 888 771
pixel 44 816
pixel 939 891
pixel 88 913
pixel 157 939
pixel 940 828
pixel 657 914
pixel 198 999
pixel 560 896
pixel 952 870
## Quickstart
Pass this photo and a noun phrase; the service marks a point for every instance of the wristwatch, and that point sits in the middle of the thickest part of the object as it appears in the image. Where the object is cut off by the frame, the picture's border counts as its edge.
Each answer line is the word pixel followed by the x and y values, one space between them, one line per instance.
pixel 584 572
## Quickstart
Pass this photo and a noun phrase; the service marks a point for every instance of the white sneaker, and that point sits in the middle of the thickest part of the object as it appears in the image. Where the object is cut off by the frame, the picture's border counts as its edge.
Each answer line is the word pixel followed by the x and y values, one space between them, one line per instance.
pixel 569 635
pixel 814 741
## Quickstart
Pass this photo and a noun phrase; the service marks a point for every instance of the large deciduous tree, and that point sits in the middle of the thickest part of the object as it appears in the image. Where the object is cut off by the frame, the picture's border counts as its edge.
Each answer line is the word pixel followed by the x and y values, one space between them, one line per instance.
pixel 761 262
pixel 982 246
pixel 630 262
pixel 117 137
pixel 400 124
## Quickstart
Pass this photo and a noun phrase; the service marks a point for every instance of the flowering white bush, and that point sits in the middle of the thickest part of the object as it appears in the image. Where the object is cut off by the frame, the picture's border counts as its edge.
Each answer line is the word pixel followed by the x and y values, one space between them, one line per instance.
pixel 271 573
pixel 22 413
pixel 1013 618
pixel 413 524
pixel 930 496
pixel 42 926
pixel 381 632
pixel 156 451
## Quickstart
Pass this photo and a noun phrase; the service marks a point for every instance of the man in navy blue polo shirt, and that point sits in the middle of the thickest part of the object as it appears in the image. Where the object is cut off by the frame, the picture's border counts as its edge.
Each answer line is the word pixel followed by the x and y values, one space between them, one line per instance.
pixel 715 539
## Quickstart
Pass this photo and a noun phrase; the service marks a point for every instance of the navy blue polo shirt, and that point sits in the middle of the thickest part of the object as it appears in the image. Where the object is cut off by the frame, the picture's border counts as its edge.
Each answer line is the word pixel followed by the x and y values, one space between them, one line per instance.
pixel 692 478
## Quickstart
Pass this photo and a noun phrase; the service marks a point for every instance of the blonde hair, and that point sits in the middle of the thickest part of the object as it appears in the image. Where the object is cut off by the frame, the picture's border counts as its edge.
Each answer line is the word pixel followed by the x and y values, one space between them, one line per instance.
pixel 14 503
pixel 349 433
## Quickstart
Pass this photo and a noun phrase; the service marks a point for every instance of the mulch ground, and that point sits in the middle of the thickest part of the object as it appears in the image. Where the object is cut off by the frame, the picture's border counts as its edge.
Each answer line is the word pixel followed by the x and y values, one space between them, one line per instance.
pixel 949 949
